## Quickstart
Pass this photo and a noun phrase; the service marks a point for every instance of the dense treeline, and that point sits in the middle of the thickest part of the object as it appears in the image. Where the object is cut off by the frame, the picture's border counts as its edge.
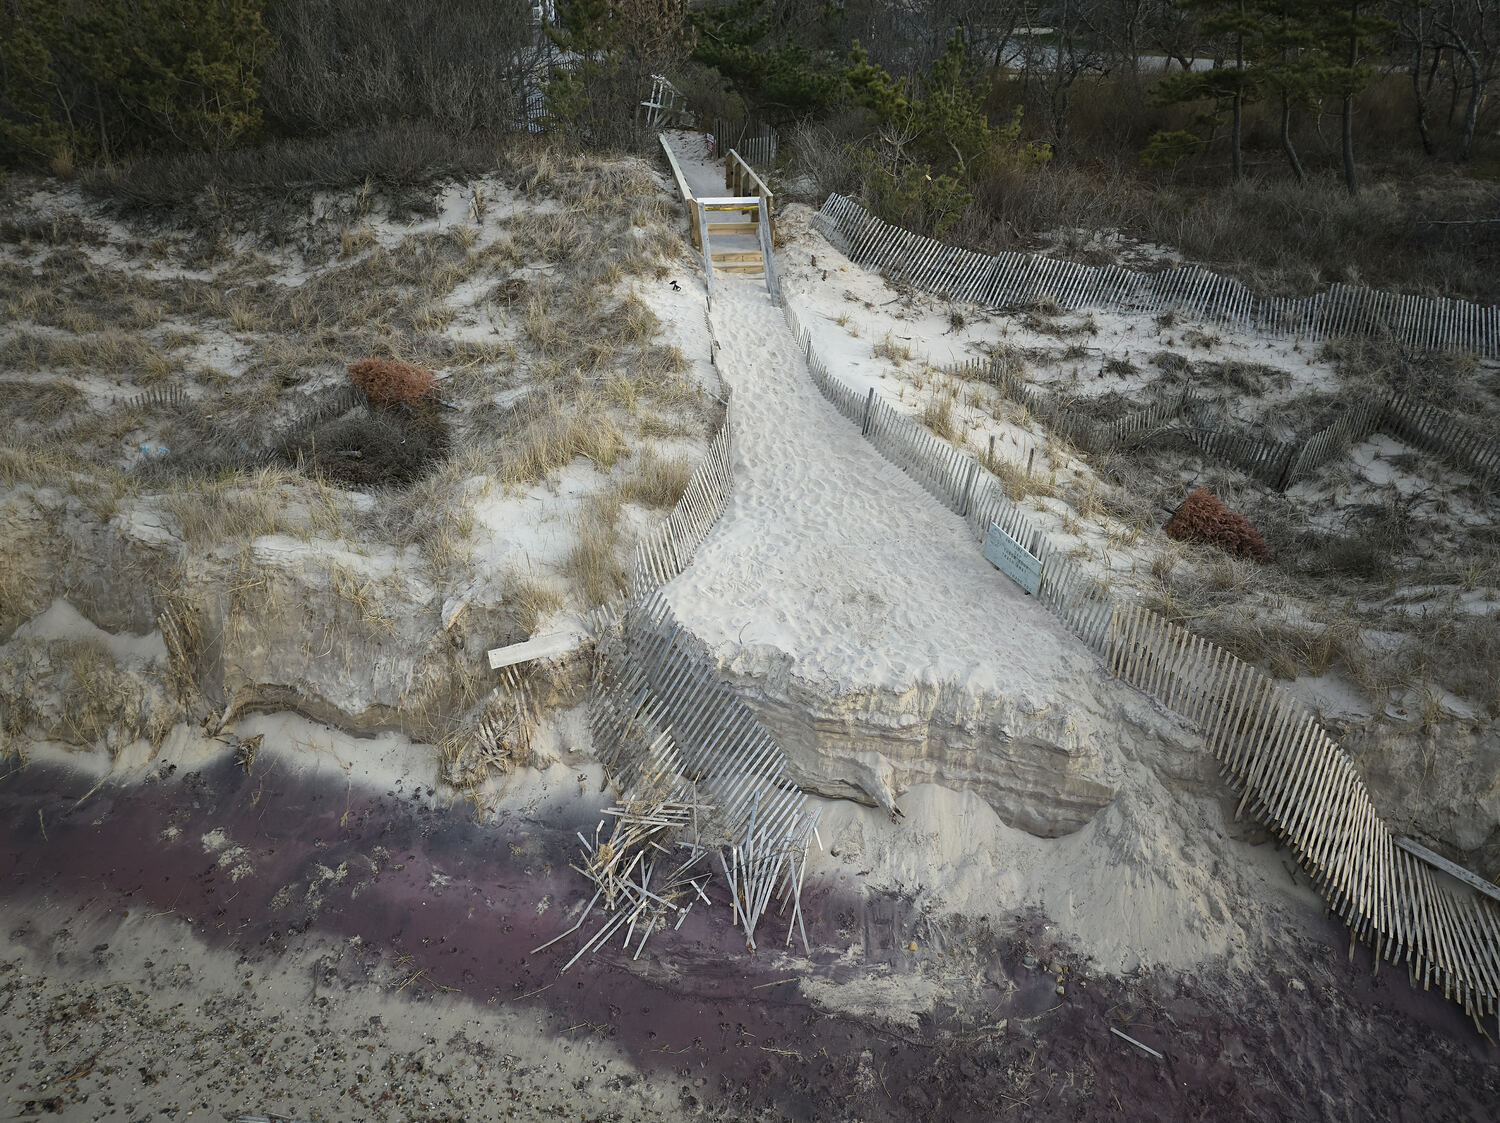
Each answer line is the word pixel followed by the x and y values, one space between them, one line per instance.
pixel 1301 60
pixel 1217 126
pixel 1294 141
pixel 82 80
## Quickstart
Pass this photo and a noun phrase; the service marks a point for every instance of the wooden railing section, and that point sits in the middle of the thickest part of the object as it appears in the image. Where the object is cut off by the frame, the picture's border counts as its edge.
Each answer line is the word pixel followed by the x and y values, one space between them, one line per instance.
pixel 741 179
pixel 752 208
pixel 683 190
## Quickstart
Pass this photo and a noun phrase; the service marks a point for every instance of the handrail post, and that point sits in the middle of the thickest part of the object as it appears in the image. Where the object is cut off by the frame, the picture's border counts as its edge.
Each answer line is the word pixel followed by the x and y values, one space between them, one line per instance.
pixel 767 253
pixel 708 259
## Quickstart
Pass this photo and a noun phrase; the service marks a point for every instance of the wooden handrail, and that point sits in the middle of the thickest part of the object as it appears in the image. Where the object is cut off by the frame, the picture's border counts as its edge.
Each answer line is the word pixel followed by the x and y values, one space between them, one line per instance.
pixel 682 187
pixel 741 179
pixel 684 190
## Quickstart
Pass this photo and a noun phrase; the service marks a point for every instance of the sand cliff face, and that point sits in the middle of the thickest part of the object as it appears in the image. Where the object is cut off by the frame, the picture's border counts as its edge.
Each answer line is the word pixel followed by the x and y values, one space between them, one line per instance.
pixel 1038 773
pixel 359 642
pixel 1439 785
pixel 1045 765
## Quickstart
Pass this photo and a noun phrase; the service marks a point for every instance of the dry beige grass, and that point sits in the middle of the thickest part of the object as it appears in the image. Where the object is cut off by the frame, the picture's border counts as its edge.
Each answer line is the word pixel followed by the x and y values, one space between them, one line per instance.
pixel 364 599
pixel 888 348
pixel 660 426
pixel 573 330
pixel 37 401
pixel 24 568
pixel 656 481
pixel 74 691
pixel 113 354
pixel 562 432
pixel 593 563
pixel 433 514
pixel 59 464
pixel 533 598
pixel 233 510
pixel 639 324
pixel 937 415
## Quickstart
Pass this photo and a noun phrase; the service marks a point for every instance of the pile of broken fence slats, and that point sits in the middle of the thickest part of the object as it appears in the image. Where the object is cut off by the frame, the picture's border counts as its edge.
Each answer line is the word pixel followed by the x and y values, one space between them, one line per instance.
pixel 699 781
pixel 1270 747
pixel 644 880
pixel 1420 323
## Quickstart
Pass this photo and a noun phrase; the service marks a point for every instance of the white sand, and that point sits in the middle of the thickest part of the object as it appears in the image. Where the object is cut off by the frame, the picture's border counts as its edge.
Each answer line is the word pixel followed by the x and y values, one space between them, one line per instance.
pixel 830 552
pixel 829 556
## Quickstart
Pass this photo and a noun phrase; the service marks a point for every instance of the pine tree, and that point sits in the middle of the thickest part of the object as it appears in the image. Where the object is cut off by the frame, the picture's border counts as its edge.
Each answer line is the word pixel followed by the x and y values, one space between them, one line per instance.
pixel 36 123
pixel 113 77
pixel 935 141
pixel 1344 30
pixel 616 45
pixel 788 72
pixel 1236 22
pixel 1290 49
pixel 1289 63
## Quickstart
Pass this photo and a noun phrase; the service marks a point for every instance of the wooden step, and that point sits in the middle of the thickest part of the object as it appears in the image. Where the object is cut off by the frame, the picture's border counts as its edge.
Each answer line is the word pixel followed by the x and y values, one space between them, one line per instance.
pixel 756 270
pixel 733 227
pixel 737 255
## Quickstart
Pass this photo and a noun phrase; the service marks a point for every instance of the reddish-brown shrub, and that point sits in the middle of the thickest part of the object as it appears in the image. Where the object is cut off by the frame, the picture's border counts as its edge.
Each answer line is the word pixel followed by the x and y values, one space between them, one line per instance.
pixel 389 382
pixel 1202 518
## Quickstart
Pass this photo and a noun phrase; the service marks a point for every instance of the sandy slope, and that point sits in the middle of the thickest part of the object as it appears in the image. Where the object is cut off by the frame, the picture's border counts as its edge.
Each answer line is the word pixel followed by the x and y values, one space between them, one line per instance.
pixel 833 566
pixel 830 551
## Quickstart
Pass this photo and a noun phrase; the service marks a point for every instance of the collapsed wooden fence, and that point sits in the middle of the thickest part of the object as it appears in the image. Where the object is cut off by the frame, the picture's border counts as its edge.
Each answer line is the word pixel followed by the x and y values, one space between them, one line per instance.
pixel 1419 323
pixel 1270 747
pixel 1277 464
pixel 697 777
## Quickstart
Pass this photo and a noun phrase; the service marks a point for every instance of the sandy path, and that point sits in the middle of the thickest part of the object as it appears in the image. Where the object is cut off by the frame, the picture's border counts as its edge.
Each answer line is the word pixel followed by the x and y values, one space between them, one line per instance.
pixel 705 177
pixel 831 554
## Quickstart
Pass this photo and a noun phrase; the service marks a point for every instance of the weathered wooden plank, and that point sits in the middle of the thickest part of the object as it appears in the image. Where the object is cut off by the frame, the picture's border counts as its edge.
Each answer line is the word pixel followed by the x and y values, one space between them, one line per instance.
pixel 1452 869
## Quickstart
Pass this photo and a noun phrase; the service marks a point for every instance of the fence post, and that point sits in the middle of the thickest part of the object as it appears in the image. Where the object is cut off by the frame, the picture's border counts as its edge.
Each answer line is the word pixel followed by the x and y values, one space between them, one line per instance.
pixel 864 426
pixel 708 258
pixel 768 257
pixel 968 487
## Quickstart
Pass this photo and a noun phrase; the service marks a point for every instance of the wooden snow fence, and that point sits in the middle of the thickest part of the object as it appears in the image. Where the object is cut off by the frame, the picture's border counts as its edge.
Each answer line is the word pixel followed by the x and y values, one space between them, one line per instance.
pixel 1418 323
pixel 1290 773
pixel 699 782
pixel 666 551
pixel 174 397
pixel 1435 430
pixel 756 140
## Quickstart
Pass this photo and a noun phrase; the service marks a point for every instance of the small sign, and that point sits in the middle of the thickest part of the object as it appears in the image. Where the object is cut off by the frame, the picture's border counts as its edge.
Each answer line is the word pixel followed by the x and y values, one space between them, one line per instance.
pixel 1014 560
